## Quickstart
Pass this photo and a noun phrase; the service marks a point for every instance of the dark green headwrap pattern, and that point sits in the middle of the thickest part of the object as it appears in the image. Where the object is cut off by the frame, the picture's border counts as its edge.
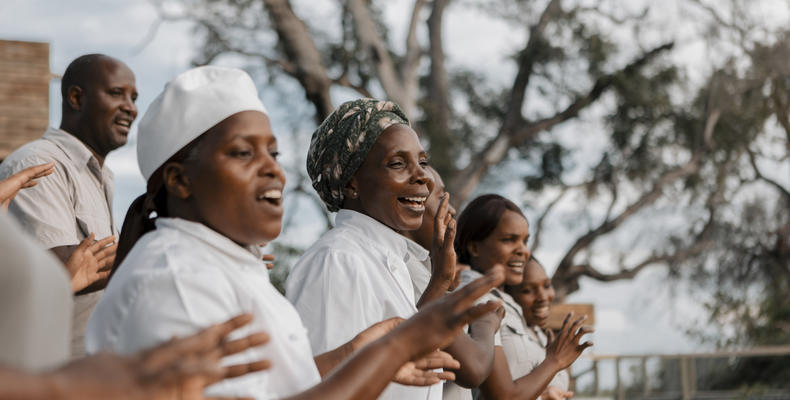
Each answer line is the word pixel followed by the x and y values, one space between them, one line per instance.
pixel 341 143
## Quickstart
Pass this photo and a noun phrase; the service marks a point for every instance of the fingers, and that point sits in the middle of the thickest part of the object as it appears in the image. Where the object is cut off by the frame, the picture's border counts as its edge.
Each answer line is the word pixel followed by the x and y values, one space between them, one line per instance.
pixel 440 220
pixel 239 345
pixel 101 243
pixel 85 243
pixel 437 359
pixel 467 295
pixel 234 371
pixel 268 257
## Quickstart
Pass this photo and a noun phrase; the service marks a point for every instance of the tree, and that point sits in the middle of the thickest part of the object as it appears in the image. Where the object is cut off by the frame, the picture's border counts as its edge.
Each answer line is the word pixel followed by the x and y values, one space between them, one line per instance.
pixel 667 142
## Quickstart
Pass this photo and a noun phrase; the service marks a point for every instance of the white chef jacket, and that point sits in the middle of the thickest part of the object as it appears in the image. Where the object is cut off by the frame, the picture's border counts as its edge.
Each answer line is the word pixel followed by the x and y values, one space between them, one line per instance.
pixel 183 277
pixel 354 276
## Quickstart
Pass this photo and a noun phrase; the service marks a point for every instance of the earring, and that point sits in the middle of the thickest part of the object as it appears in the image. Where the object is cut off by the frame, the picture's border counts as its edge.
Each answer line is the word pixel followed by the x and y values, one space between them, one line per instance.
pixel 354 194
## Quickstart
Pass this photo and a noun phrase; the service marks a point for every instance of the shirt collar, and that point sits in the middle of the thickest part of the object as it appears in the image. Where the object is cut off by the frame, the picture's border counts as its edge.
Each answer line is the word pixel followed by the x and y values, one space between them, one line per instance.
pixel 76 150
pixel 249 254
pixel 416 250
pixel 376 233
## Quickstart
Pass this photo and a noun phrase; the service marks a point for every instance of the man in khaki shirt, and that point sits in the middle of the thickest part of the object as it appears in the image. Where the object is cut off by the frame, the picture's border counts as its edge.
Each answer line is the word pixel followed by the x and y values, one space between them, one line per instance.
pixel 73 204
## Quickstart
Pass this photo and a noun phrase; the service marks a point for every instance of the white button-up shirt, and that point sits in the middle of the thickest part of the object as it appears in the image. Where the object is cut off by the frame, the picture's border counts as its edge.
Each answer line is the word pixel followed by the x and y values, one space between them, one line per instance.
pixel 182 277
pixel 354 276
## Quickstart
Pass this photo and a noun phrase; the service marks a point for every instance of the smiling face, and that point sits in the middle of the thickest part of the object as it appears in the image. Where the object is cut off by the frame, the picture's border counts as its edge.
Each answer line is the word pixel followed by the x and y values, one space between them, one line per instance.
pixel 535 294
pixel 235 183
pixel 107 106
pixel 393 183
pixel 506 245
pixel 424 235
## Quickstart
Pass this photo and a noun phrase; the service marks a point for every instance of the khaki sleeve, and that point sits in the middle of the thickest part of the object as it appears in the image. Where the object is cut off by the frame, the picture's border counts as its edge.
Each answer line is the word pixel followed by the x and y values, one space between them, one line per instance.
pixel 46 210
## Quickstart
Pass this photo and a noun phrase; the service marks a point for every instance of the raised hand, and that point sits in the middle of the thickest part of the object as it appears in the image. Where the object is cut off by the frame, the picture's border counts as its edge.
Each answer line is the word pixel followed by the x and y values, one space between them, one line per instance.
pixel 21 180
pixel 555 393
pixel 564 348
pixel 436 325
pixel 91 261
pixel 179 369
pixel 421 372
pixel 442 253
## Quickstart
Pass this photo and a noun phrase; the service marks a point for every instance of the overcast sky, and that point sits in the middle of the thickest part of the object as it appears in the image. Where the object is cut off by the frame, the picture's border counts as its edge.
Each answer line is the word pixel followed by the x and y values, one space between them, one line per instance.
pixel 632 316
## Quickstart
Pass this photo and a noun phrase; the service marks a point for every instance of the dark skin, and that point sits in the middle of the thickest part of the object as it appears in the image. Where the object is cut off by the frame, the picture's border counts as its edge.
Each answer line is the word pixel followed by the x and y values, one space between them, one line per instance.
pixel 98 109
pixel 395 169
pixel 475 350
pixel 535 295
pixel 507 245
pixel 176 370
pixel 237 195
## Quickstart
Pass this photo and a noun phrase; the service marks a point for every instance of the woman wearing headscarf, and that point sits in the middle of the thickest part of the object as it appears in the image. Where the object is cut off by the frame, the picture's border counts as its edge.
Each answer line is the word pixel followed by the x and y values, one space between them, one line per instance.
pixel 189 253
pixel 367 164
pixel 492 231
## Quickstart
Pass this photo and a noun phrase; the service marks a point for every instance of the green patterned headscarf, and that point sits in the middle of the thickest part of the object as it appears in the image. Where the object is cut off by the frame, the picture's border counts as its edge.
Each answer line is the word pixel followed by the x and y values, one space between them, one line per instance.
pixel 341 143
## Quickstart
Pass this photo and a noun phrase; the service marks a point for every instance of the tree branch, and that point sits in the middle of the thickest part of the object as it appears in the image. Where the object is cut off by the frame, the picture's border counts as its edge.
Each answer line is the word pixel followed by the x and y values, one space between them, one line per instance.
pixel 496 149
pixel 370 41
pixel 411 62
pixel 539 224
pixel 782 190
pixel 302 53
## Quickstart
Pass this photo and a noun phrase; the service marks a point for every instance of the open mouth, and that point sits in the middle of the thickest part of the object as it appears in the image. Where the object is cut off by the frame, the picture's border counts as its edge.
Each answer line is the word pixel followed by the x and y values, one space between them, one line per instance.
pixel 541 311
pixel 124 123
pixel 516 266
pixel 271 196
pixel 416 203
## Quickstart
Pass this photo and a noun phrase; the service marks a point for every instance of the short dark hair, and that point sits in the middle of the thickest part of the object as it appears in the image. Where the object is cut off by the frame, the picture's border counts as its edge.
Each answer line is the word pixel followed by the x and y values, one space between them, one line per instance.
pixel 478 220
pixel 79 71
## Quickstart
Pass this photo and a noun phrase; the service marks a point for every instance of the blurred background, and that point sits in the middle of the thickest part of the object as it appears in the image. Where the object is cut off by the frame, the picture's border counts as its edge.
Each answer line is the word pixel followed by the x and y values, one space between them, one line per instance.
pixel 648 143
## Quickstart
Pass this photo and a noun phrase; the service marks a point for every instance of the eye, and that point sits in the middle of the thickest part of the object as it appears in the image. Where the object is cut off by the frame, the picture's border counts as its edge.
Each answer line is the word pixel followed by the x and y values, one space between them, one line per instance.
pixel 241 153
pixel 275 154
pixel 397 163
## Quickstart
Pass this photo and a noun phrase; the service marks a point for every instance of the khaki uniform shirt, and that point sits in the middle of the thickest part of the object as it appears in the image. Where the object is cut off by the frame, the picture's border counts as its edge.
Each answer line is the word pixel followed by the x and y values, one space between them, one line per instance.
pixel 35 302
pixel 66 206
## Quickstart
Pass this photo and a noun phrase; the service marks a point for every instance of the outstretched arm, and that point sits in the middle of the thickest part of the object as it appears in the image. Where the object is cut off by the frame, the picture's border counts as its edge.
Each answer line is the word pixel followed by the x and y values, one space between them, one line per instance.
pixel 367 372
pixel 21 180
pixel 179 369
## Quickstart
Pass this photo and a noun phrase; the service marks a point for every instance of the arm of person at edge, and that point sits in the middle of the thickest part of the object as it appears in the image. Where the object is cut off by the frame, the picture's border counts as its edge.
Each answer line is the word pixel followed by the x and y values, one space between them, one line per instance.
pixel 177 370
pixel 415 373
pixel 367 372
pixel 561 352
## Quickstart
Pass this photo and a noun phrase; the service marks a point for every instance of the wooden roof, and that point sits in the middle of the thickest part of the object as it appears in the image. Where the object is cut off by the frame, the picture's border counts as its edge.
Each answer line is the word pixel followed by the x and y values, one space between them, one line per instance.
pixel 24 93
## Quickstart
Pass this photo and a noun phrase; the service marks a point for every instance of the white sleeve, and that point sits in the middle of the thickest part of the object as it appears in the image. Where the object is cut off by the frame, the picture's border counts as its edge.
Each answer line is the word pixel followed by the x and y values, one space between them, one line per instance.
pixel 332 297
pixel 180 304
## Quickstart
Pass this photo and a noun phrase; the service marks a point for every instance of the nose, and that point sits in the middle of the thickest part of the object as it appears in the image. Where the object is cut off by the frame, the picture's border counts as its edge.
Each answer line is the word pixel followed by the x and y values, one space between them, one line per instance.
pixel 271 168
pixel 129 107
pixel 421 176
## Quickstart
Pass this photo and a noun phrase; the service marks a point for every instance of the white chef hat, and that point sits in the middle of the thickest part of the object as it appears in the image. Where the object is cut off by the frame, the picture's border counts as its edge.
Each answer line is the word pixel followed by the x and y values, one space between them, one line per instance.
pixel 191 103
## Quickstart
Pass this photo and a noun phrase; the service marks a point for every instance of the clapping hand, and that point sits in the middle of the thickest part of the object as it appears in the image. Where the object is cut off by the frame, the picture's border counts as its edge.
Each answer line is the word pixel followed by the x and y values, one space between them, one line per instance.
pixel 443 256
pixel 565 347
pixel 91 261
pixel 21 180
pixel 179 369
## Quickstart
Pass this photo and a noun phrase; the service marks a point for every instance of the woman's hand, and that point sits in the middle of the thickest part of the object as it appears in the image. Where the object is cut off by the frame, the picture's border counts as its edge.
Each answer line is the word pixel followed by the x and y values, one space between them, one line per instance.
pixel 21 180
pixel 555 393
pixel 564 349
pixel 421 372
pixel 91 261
pixel 442 252
pixel 436 325
pixel 179 369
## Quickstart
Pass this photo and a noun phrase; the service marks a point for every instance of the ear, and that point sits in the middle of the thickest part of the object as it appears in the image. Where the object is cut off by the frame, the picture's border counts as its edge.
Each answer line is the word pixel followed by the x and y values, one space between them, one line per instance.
pixel 176 181
pixel 75 97
pixel 351 191
pixel 472 249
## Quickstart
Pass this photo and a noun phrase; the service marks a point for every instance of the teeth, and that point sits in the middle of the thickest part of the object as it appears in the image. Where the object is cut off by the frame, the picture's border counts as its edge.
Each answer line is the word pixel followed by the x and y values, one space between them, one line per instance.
pixel 416 199
pixel 517 264
pixel 273 194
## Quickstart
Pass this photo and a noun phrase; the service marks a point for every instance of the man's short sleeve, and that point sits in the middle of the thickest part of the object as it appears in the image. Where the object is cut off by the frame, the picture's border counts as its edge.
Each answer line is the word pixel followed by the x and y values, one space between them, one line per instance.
pixel 44 210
